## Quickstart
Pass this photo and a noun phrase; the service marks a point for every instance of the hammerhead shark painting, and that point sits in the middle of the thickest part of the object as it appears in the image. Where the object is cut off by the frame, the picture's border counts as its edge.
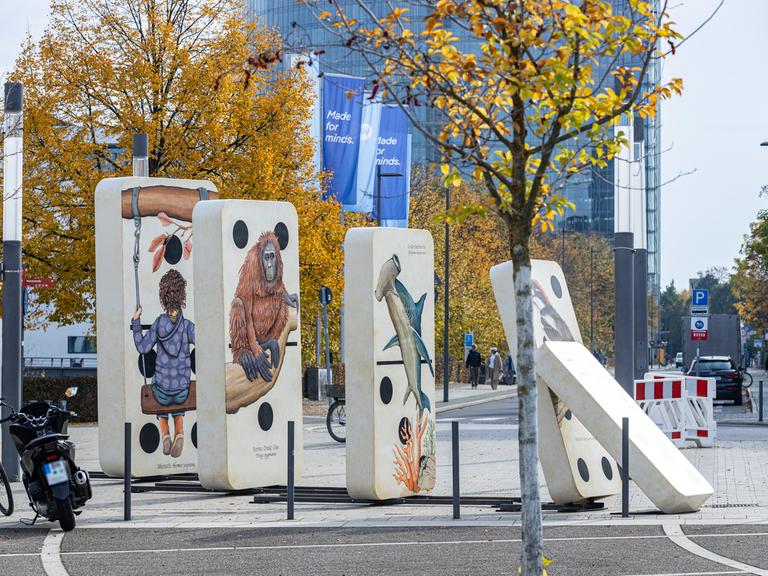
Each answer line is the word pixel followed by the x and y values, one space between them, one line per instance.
pixel 406 318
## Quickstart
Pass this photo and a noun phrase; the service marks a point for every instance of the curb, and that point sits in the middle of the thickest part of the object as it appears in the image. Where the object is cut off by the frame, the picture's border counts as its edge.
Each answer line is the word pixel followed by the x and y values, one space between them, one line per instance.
pixel 466 404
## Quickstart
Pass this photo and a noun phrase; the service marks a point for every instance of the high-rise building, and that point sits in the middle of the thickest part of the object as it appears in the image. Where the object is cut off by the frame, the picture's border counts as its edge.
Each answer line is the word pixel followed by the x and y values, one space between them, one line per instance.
pixel 593 193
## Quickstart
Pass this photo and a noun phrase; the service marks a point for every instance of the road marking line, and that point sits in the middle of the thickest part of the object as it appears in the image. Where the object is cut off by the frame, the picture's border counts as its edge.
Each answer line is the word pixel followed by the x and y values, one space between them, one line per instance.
pixel 363 545
pixel 690 573
pixel 50 555
pixel 676 535
pixel 371 544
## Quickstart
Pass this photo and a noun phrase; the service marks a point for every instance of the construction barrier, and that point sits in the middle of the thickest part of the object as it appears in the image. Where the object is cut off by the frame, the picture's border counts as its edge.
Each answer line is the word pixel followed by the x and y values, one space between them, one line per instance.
pixel 681 406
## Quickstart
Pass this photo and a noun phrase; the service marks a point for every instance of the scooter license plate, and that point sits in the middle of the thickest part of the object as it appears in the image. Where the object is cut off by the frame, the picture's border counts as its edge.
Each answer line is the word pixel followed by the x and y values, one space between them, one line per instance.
pixel 55 472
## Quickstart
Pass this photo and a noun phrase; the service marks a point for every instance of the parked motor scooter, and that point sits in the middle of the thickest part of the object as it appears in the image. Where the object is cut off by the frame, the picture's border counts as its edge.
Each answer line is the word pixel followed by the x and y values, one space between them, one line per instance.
pixel 56 487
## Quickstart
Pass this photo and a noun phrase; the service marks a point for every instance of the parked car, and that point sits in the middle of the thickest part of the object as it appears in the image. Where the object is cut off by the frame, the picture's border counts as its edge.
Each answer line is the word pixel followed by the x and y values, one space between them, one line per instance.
pixel 728 377
pixel 679 360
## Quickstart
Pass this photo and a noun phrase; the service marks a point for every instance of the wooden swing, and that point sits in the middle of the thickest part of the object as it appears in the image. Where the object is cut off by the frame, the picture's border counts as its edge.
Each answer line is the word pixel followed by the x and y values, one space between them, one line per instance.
pixel 150 201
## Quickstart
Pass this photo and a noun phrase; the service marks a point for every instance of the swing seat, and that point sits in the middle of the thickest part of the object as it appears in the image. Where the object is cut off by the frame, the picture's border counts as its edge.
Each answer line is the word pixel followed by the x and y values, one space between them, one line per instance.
pixel 150 405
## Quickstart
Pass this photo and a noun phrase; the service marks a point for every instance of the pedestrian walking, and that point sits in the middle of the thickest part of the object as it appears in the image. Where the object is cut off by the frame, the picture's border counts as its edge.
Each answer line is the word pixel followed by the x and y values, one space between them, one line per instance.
pixel 473 363
pixel 510 375
pixel 494 368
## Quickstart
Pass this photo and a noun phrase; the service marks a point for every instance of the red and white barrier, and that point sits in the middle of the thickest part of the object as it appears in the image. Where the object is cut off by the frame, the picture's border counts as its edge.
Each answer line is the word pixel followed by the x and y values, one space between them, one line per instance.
pixel 700 424
pixel 681 406
pixel 662 402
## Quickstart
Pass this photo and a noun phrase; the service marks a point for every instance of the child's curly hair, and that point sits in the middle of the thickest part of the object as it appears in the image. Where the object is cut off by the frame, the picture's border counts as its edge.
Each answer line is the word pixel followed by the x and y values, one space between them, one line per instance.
pixel 173 291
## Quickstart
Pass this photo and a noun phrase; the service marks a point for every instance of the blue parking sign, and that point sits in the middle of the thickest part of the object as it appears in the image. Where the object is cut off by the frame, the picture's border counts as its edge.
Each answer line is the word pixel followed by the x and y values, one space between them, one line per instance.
pixel 700 297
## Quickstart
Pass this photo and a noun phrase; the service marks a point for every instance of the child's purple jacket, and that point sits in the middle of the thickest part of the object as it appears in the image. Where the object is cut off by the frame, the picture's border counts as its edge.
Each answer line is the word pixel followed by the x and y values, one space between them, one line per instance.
pixel 173 366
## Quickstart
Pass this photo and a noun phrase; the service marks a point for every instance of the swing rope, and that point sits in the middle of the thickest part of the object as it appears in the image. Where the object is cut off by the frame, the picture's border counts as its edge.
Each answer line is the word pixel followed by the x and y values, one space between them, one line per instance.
pixel 203 195
pixel 136 239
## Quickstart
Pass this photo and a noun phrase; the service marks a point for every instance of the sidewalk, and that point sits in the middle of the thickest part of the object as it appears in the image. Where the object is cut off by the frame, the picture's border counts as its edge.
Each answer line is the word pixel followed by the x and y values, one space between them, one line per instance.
pixel 738 471
pixel 462 395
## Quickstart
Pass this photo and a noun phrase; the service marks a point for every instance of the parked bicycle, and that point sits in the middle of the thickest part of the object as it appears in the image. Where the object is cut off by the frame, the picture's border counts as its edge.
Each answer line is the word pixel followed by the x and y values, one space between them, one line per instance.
pixel 746 379
pixel 6 496
pixel 336 420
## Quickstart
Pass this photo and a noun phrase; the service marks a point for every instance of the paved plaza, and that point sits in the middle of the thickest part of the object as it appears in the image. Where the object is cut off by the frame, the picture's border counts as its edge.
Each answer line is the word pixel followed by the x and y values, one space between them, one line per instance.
pixel 737 468
pixel 171 532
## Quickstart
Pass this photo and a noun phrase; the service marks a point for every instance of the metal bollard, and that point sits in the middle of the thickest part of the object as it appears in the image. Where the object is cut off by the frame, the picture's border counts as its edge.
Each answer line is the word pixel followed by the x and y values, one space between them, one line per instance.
pixel 455 464
pixel 625 467
pixel 760 403
pixel 127 474
pixel 291 488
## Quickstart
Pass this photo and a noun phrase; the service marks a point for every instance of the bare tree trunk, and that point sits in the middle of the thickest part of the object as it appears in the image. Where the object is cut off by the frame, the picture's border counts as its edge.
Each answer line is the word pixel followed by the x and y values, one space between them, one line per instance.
pixel 528 424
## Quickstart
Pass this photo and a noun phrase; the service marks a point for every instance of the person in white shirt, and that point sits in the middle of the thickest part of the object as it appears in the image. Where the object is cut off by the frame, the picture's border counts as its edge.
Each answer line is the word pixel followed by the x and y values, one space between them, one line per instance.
pixel 494 368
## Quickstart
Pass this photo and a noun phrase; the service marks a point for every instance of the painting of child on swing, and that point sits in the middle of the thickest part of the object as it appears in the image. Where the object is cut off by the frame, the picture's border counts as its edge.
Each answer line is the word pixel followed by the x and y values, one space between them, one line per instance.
pixel 171 335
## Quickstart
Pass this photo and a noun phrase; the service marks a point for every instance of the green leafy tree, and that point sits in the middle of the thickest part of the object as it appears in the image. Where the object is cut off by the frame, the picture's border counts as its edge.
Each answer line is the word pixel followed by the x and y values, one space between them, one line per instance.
pixel 673 305
pixel 750 282
pixel 717 281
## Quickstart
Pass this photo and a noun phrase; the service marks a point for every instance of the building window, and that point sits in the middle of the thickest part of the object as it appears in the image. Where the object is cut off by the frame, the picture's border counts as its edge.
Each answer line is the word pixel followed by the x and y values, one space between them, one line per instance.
pixel 81 345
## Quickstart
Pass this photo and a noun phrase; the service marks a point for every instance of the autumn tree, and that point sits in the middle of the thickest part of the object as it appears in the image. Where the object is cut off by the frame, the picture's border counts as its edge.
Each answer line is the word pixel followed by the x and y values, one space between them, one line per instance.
pixel 477 243
pixel 106 69
pixel 523 93
pixel 673 306
pixel 750 282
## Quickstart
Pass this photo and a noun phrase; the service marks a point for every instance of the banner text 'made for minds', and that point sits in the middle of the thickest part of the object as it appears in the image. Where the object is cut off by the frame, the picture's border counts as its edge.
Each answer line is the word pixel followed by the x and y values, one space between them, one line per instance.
pixel 342 117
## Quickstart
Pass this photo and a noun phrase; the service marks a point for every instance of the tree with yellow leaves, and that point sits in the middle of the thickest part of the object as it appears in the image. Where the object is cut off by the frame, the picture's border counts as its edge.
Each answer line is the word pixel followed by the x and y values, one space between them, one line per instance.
pixel 526 93
pixel 477 243
pixel 106 69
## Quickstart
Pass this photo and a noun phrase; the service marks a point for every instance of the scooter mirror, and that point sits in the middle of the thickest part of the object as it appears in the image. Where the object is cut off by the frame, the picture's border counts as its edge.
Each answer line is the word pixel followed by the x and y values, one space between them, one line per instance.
pixel 71 392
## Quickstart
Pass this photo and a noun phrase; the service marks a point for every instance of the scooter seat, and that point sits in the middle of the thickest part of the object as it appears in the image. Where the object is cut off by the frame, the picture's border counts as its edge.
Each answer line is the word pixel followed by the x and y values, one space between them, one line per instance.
pixel 45 440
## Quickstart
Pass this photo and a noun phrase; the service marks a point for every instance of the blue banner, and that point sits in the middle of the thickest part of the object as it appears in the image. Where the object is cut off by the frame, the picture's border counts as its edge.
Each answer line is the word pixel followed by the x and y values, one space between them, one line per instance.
pixel 342 115
pixel 392 157
pixel 366 160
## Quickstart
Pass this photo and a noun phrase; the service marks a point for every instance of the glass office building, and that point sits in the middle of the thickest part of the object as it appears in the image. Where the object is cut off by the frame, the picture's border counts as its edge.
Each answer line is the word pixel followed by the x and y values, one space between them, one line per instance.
pixel 592 193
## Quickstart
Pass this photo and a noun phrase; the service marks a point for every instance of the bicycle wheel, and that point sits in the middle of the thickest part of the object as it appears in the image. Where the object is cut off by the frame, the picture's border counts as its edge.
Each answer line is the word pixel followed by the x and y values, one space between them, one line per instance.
pixel 336 421
pixel 6 496
pixel 747 381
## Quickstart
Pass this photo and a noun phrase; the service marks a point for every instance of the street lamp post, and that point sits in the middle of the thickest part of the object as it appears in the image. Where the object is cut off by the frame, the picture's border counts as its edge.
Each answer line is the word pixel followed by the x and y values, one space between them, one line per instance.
pixel 446 356
pixel 562 244
pixel 12 265
pixel 591 299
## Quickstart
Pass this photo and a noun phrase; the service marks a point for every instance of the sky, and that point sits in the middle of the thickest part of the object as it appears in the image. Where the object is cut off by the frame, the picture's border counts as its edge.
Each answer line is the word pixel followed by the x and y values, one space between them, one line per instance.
pixel 713 130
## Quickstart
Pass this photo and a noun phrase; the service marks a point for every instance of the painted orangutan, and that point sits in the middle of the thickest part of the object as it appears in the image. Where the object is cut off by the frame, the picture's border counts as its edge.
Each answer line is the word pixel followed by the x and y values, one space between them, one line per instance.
pixel 260 309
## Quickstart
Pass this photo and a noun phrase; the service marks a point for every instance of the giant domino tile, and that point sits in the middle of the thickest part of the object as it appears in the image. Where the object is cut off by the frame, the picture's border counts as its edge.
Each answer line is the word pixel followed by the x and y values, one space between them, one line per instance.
pixel 390 343
pixel 657 467
pixel 574 376
pixel 243 421
pixel 119 363
pixel 576 467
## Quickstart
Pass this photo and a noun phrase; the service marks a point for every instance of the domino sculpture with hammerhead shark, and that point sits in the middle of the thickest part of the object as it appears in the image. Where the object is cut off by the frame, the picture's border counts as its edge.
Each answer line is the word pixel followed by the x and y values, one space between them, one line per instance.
pixel 415 462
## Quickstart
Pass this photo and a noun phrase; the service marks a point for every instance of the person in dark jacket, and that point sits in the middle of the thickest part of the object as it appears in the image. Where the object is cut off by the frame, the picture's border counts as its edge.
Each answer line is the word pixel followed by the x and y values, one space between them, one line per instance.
pixel 473 362
pixel 510 375
pixel 171 334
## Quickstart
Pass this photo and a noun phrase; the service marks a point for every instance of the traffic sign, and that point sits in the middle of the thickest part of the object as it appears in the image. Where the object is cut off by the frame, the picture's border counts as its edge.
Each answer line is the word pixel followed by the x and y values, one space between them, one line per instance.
pixel 38 282
pixel 325 295
pixel 469 339
pixel 699 302
pixel 699 328
pixel 700 298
